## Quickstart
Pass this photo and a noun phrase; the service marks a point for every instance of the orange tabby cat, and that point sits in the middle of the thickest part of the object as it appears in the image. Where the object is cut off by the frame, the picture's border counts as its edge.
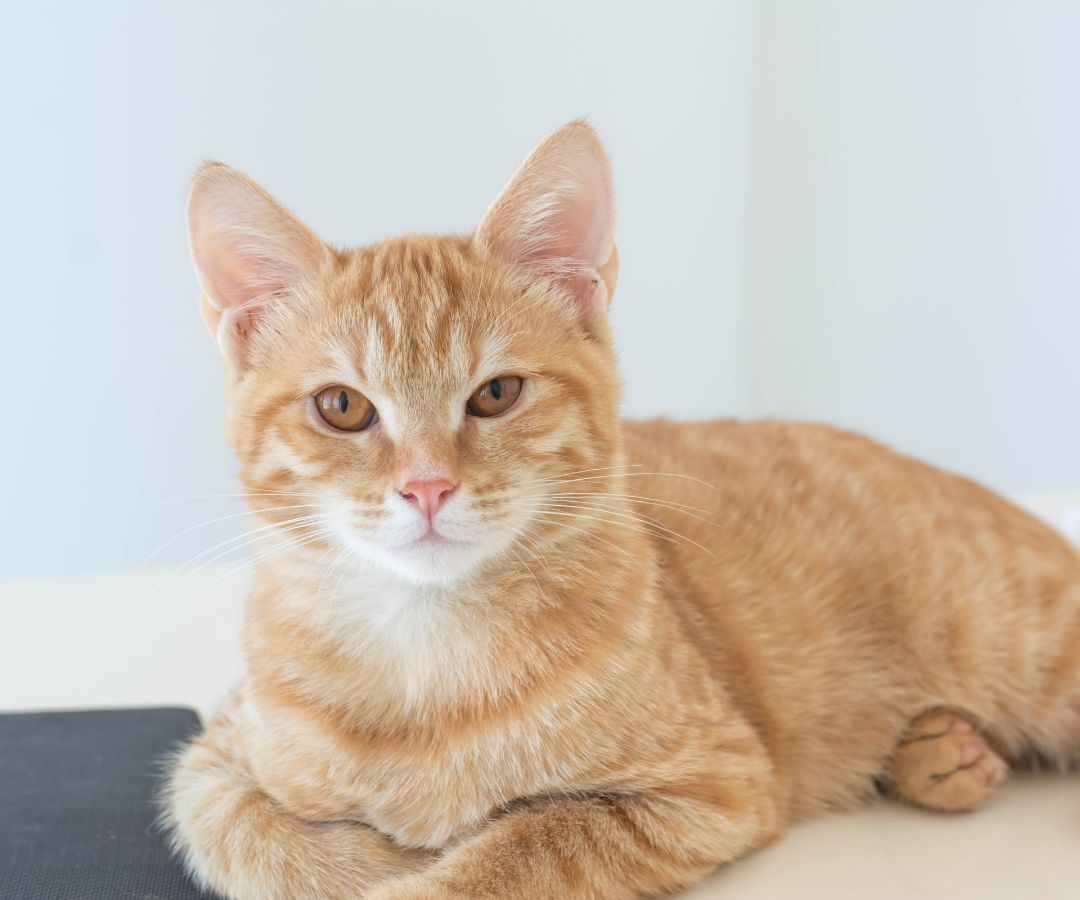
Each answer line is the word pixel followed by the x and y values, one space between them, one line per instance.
pixel 492 650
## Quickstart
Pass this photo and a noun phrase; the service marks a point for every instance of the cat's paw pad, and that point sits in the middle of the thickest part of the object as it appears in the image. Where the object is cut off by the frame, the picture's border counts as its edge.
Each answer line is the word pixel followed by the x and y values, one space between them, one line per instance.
pixel 943 763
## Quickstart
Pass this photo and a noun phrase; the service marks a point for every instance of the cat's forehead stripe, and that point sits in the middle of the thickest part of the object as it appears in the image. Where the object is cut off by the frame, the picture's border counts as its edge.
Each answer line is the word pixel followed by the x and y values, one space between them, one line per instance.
pixel 416 307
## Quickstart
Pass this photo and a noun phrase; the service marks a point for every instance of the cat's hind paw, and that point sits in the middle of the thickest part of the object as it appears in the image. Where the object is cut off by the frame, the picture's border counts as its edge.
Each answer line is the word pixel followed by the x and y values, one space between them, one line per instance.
pixel 943 763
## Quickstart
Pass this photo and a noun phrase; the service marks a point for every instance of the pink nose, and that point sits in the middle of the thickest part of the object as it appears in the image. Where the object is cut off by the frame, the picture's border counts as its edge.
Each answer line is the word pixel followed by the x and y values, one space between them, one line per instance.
pixel 428 495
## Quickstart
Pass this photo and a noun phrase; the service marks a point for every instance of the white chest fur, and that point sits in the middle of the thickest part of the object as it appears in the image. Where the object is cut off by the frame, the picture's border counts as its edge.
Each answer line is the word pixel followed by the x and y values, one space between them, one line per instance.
pixel 419 649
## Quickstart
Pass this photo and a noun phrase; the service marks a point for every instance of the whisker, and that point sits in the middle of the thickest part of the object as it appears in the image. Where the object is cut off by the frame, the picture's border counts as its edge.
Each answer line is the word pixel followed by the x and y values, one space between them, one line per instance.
pixel 260 557
pixel 330 571
pixel 635 525
pixel 238 515
pixel 566 479
pixel 532 574
pixel 585 472
pixel 711 487
pixel 546 479
pixel 585 531
pixel 524 532
pixel 621 501
pixel 637 515
pixel 237 542
pixel 534 551
pixel 636 498
pixel 241 496
pixel 341 576
pixel 637 518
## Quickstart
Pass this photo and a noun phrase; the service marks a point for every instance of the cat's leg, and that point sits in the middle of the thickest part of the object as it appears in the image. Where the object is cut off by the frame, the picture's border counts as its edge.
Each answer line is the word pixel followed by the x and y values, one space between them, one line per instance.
pixel 237 841
pixel 943 763
pixel 608 847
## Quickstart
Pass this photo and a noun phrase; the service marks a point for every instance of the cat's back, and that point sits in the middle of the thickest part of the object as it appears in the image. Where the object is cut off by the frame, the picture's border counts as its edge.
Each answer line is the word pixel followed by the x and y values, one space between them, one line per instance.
pixel 767 474
pixel 771 500
pixel 755 480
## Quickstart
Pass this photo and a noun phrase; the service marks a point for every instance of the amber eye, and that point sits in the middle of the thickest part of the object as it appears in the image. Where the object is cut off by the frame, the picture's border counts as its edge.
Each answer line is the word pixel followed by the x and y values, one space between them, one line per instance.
pixel 495 397
pixel 344 409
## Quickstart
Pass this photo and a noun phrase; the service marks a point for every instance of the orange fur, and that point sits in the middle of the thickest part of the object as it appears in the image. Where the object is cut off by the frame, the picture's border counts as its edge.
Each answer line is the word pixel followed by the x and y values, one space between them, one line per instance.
pixel 656 644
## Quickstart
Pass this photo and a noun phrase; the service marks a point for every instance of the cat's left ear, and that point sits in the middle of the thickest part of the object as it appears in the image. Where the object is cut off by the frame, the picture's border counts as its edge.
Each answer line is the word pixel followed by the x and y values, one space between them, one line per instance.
pixel 249 253
pixel 556 218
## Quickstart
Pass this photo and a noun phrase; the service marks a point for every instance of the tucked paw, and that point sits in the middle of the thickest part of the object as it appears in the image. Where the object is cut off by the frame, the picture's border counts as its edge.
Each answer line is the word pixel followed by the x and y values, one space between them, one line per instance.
pixel 943 763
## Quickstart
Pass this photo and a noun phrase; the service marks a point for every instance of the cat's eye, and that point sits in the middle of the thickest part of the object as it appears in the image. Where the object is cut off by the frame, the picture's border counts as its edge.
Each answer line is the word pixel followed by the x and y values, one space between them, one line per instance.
pixel 495 397
pixel 344 409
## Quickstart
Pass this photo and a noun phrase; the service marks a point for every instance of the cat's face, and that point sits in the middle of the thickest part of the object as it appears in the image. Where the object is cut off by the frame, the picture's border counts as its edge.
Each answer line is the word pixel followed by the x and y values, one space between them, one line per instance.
pixel 413 404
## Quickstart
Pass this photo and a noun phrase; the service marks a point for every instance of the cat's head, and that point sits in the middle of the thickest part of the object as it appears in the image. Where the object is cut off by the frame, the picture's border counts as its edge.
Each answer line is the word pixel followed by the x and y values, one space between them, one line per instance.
pixel 414 403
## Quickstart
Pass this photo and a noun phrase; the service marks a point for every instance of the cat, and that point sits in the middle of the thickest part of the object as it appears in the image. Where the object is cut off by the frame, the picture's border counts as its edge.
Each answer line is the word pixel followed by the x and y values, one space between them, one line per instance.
pixel 502 644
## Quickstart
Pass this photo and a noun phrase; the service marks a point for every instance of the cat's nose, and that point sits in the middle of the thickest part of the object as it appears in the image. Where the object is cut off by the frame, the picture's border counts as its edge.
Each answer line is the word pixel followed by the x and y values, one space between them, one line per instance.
pixel 428 495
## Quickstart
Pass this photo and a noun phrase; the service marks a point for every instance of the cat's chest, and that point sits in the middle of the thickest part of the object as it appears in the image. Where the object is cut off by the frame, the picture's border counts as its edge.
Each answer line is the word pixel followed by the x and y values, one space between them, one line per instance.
pixel 559 732
pixel 423 793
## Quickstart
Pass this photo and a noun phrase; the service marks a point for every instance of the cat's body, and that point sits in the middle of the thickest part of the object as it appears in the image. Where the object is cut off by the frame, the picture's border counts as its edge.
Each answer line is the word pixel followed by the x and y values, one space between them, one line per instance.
pixel 867 587
pixel 693 635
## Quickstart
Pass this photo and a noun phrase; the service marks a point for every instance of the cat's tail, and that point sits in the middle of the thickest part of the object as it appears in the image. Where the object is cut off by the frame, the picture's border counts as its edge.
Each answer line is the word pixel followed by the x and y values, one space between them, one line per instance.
pixel 238 841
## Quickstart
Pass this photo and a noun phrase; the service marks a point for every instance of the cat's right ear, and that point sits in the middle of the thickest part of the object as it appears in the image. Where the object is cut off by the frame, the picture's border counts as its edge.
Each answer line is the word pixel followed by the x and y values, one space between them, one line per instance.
pixel 249 252
pixel 556 219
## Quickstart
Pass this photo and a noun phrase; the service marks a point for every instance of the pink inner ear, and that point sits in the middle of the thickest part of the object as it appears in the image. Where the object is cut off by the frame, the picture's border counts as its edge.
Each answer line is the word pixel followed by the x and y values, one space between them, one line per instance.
pixel 228 282
pixel 249 252
pixel 245 245
pixel 588 220
pixel 575 239
pixel 571 223
pixel 557 215
pixel 239 269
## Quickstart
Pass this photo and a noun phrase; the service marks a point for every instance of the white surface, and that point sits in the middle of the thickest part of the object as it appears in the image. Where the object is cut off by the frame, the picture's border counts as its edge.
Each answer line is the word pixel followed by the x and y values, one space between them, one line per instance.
pixel 1024 846
pixel 154 638
pixel 860 212
pixel 167 637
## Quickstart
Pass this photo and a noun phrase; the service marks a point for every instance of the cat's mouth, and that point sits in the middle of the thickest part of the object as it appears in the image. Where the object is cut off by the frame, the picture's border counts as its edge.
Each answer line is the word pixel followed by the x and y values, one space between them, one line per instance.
pixel 426 551
pixel 430 541
pixel 433 556
pixel 432 538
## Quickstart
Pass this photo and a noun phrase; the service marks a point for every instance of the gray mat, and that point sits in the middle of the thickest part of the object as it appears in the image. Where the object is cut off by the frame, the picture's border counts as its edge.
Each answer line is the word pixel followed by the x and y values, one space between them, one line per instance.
pixel 77 806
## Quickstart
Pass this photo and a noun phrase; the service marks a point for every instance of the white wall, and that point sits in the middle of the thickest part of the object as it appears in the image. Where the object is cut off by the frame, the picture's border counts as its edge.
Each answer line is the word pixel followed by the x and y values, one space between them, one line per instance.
pixel 866 212
pixel 913 229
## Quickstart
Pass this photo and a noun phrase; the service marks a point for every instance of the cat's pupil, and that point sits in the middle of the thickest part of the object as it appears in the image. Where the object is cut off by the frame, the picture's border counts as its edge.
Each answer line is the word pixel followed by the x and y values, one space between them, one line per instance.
pixel 496 389
pixel 343 401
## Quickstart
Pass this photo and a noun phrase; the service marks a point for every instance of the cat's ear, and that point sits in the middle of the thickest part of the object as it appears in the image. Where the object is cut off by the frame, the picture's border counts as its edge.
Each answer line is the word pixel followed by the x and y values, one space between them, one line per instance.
pixel 557 218
pixel 249 252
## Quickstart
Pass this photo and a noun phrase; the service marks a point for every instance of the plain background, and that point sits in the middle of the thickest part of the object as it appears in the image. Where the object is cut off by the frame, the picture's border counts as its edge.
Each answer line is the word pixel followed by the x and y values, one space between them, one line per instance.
pixel 863 212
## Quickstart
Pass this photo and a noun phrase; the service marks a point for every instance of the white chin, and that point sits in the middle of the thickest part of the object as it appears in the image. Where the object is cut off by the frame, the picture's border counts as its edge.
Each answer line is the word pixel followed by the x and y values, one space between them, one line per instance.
pixel 431 560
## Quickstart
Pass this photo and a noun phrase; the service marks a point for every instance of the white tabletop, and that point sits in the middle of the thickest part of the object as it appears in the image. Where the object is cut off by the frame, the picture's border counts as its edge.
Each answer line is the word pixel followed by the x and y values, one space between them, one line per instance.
pixel 162 638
